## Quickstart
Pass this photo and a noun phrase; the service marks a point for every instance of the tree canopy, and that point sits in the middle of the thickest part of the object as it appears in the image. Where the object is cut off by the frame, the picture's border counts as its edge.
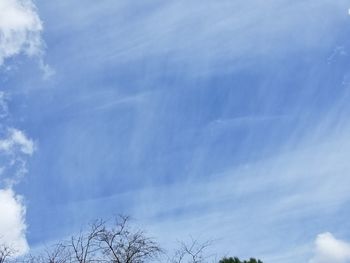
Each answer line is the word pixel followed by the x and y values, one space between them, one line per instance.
pixel 237 260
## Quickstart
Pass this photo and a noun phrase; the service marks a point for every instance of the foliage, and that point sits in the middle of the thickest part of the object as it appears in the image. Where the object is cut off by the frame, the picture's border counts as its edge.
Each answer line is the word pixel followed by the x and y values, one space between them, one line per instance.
pixel 237 260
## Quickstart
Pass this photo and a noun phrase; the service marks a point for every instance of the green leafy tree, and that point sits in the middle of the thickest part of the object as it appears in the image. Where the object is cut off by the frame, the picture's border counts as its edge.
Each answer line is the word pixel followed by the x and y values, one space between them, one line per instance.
pixel 237 260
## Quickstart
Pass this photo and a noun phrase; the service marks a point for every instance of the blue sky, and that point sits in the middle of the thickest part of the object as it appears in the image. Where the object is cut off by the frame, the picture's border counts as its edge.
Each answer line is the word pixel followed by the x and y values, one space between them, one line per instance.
pixel 223 120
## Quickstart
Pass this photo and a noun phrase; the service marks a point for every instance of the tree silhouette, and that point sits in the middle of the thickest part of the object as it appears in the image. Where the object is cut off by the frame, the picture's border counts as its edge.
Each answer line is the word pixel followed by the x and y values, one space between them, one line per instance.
pixel 103 242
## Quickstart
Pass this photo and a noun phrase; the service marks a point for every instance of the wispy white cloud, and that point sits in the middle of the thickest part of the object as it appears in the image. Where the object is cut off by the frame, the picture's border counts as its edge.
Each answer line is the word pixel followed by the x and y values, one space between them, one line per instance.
pixel 329 249
pixel 255 203
pixel 3 105
pixel 244 205
pixel 215 33
pixel 305 181
pixel 16 139
pixel 15 147
pixel 46 69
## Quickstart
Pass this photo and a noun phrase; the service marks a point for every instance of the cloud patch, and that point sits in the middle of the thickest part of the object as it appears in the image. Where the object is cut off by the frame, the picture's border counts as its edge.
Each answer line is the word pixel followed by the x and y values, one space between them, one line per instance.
pixel 3 105
pixel 15 148
pixel 20 33
pixel 17 140
pixel 329 249
pixel 20 29
pixel 12 221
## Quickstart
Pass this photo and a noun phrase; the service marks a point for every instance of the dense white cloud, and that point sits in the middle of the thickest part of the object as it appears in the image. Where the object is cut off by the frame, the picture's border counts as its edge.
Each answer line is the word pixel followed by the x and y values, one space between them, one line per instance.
pixel 12 223
pixel 20 29
pixel 329 249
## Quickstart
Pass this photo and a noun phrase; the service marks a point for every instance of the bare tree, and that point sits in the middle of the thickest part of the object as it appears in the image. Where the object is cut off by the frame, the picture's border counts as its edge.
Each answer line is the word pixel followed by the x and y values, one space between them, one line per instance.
pixel 58 253
pixel 122 245
pixel 117 243
pixel 6 253
pixel 193 252
pixel 85 247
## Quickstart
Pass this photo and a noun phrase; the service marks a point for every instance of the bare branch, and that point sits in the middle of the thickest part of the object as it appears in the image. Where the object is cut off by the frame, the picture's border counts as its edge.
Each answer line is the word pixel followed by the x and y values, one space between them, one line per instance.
pixel 193 252
pixel 85 246
pixel 6 253
pixel 122 245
